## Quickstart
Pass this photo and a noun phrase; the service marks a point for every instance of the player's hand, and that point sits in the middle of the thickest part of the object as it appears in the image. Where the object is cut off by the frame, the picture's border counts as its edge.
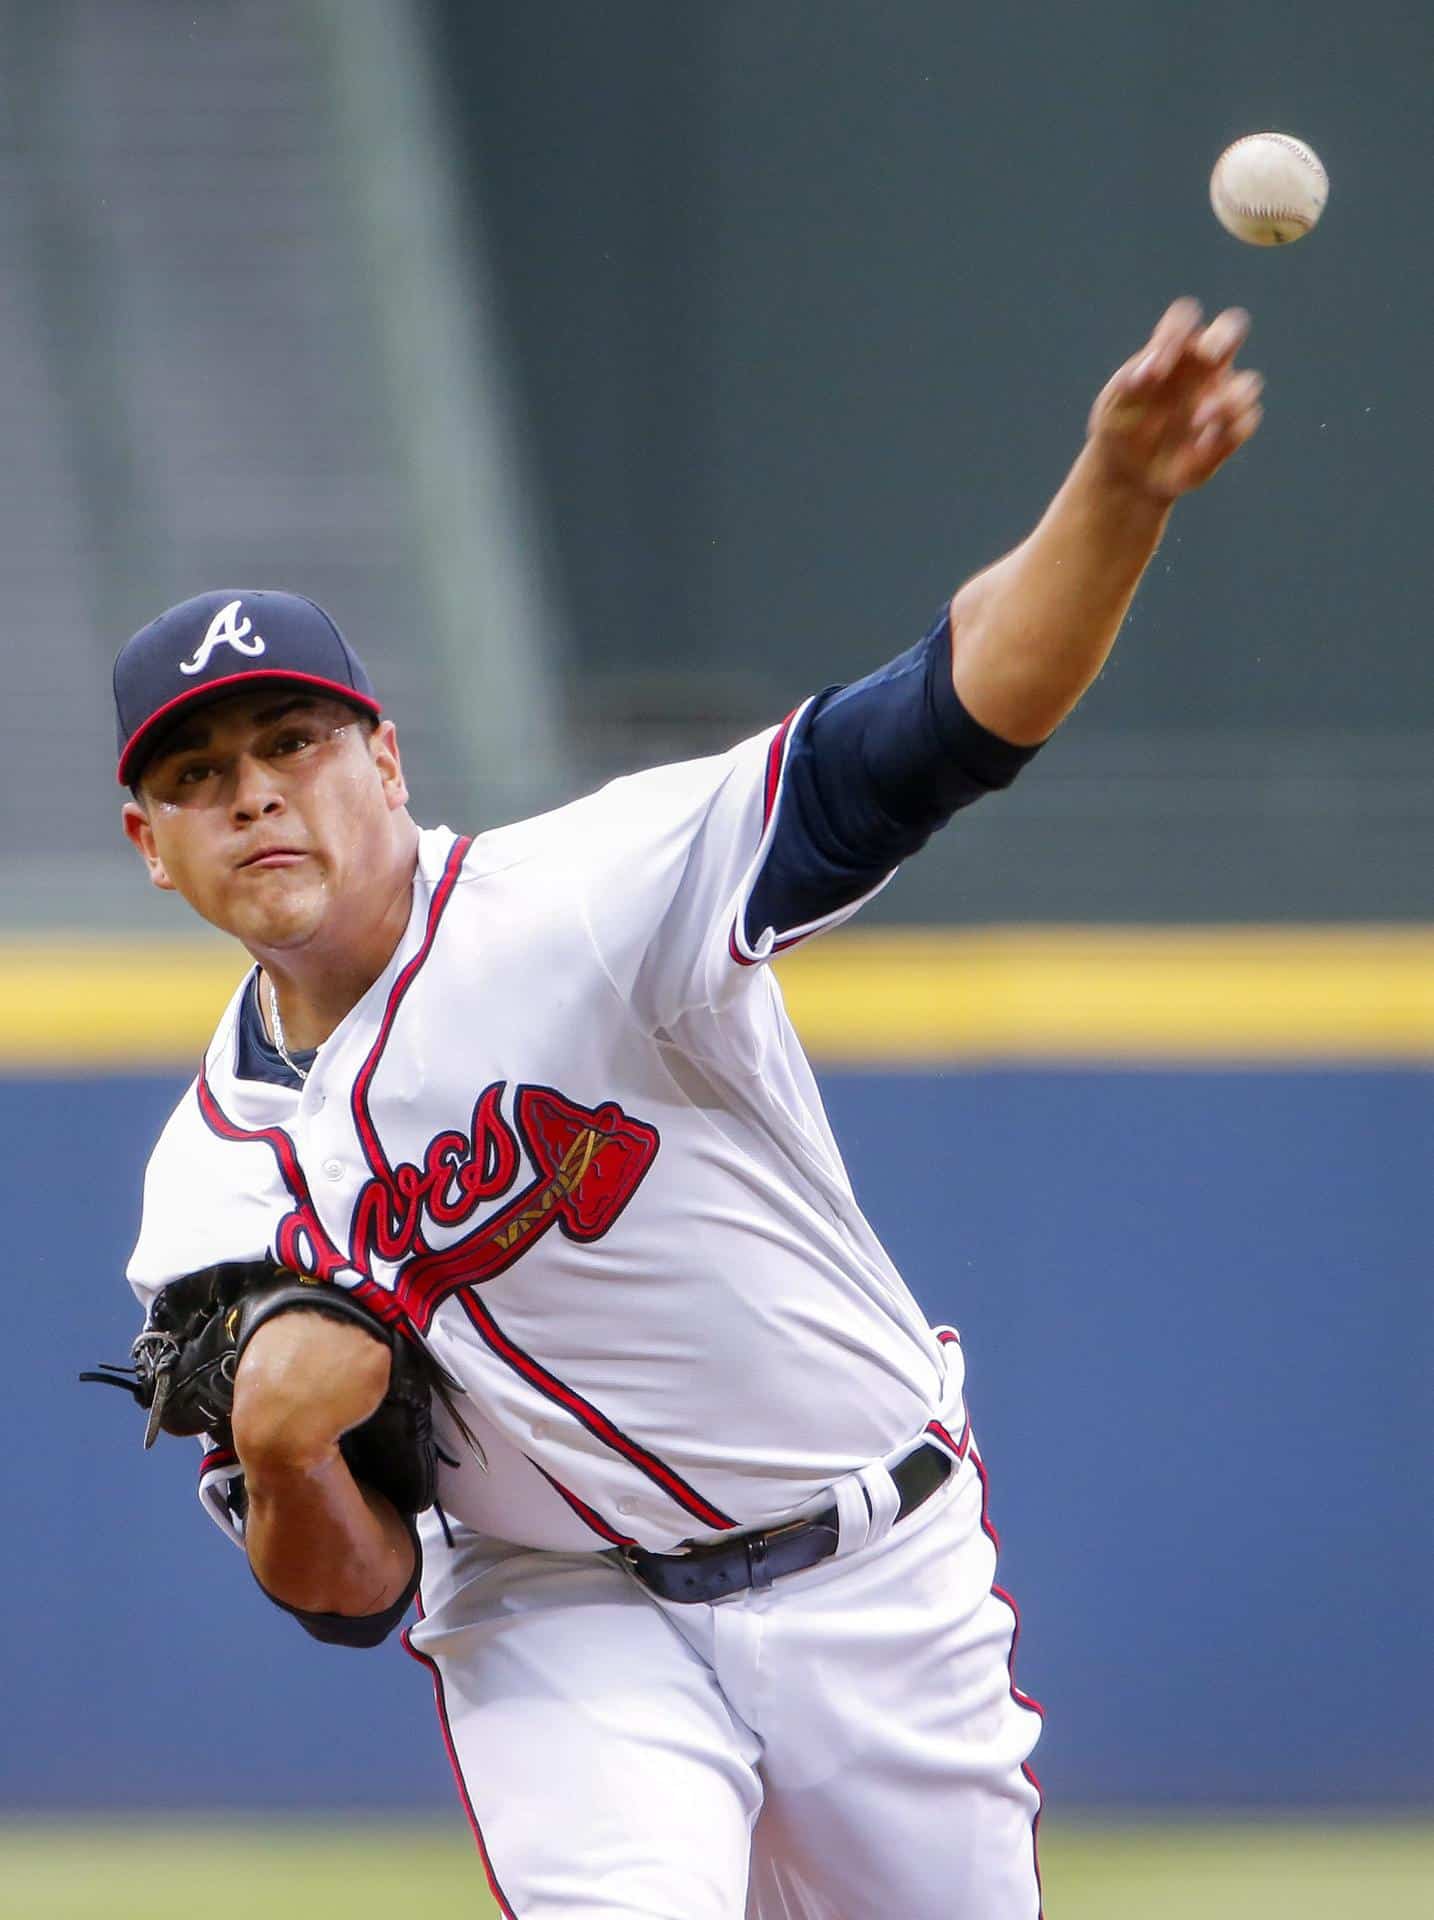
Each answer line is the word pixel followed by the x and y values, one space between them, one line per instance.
pixel 1177 410
pixel 305 1380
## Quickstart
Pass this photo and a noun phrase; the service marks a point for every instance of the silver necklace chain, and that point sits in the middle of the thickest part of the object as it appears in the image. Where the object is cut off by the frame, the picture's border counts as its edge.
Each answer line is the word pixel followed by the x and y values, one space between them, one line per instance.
pixel 278 1025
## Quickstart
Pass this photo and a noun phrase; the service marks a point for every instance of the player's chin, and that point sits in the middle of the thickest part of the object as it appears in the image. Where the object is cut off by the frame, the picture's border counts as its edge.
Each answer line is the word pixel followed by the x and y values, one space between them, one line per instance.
pixel 279 916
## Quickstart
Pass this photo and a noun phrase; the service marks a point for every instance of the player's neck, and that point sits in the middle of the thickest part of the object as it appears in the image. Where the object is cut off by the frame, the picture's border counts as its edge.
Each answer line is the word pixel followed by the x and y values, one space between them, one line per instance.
pixel 321 981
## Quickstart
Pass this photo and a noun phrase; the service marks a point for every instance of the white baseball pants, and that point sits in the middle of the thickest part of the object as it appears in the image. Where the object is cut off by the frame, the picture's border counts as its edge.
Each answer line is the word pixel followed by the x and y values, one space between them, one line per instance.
pixel 847 1745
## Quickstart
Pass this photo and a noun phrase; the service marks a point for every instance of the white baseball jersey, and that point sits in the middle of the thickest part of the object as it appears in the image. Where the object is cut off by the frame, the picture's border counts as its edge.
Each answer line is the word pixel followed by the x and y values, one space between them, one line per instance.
pixel 569 1135
pixel 569 1139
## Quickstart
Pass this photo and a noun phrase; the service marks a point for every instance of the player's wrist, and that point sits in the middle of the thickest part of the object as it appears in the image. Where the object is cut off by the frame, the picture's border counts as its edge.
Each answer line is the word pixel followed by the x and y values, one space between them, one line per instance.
pixel 280 1432
pixel 1120 483
pixel 275 1453
pixel 304 1380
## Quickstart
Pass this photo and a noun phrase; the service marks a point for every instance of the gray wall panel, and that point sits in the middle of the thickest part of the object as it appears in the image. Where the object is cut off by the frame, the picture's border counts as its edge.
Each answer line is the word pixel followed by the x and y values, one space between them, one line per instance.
pixel 812 301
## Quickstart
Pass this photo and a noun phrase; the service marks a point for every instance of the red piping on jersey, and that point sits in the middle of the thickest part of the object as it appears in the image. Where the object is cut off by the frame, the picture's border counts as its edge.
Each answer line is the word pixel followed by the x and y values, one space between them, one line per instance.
pixel 776 756
pixel 219 1458
pixel 303 1222
pixel 958 1447
pixel 442 894
pixel 778 946
pixel 1021 1699
pixel 776 764
pixel 442 1705
pixel 326 1259
pixel 588 1515
pixel 597 1423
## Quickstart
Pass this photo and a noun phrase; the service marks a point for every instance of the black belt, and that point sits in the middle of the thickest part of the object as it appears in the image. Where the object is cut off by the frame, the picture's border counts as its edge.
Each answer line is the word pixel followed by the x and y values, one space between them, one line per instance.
pixel 755 1560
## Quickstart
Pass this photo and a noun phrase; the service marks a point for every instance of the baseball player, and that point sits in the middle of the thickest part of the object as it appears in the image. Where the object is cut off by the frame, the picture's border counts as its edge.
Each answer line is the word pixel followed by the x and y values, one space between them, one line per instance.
pixel 703 1561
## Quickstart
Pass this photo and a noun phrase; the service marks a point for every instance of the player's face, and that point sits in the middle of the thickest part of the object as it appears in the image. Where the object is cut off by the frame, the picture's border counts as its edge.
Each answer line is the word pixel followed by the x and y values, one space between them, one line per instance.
pixel 271 814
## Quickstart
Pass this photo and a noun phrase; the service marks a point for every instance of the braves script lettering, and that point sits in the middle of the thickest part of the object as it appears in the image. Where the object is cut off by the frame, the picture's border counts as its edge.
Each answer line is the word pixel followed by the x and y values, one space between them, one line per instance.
pixel 458 1172
pixel 588 1162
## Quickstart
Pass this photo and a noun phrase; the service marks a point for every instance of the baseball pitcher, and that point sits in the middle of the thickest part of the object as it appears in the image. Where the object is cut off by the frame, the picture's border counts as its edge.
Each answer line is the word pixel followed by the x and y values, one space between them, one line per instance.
pixel 502 1259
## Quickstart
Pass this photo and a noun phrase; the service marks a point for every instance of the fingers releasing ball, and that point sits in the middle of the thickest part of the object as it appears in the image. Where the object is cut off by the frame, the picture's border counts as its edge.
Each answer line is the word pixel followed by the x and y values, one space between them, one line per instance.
pixel 1268 189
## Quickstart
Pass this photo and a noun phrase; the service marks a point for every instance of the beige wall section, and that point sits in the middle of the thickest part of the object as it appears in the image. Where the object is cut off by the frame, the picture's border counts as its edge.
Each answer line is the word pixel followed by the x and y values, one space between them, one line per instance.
pixel 907 996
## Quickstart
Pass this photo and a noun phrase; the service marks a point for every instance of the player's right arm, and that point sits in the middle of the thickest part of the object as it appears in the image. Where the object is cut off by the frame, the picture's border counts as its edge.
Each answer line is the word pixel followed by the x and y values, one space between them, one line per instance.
pixel 323 1546
pixel 719 868
pixel 1031 632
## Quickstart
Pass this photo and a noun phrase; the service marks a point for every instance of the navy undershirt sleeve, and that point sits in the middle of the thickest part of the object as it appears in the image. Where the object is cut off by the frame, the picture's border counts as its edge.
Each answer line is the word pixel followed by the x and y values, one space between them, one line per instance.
pixel 872 771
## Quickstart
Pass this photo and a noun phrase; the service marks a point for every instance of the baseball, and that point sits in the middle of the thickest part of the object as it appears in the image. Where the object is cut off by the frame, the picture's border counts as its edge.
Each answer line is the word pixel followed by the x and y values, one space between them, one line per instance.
pixel 1268 189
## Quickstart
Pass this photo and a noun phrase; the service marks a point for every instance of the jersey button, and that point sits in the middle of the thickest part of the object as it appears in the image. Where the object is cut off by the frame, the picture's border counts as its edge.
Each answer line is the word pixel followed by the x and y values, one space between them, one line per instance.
pixel 541 1429
pixel 627 1507
pixel 334 1169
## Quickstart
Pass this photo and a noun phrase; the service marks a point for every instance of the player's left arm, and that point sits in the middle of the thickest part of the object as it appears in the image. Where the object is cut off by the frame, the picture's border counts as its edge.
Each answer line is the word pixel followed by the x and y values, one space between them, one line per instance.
pixel 1031 632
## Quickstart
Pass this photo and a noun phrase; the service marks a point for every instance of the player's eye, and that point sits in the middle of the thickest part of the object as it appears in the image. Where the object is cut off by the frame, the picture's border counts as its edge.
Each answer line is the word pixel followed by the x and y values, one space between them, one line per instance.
pixel 291 741
pixel 193 773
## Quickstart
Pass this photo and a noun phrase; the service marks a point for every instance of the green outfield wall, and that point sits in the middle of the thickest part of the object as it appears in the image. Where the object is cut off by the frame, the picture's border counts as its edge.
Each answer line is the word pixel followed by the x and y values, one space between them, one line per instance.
pixel 807 304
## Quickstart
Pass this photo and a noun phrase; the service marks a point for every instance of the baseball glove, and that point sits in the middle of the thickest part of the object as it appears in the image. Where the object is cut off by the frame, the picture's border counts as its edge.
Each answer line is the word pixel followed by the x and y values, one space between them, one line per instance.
pixel 185 1360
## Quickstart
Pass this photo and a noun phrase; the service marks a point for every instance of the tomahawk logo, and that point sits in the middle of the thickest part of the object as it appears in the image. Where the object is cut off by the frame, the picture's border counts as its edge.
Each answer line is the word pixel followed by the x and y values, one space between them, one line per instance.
pixel 228 628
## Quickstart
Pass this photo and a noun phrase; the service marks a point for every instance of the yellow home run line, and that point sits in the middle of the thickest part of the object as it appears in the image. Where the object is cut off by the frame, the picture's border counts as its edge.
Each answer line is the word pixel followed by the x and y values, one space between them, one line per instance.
pixel 1128 993
pixel 866 997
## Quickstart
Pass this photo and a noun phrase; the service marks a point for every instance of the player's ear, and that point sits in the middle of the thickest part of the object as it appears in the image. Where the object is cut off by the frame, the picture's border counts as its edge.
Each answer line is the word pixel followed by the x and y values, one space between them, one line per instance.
pixel 140 835
pixel 383 749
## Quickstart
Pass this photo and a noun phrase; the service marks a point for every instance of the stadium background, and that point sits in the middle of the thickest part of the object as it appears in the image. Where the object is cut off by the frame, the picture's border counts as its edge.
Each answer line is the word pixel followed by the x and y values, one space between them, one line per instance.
pixel 616 376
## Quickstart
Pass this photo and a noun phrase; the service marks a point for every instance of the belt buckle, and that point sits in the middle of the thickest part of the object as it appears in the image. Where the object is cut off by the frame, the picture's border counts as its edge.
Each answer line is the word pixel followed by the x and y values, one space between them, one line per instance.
pixel 758 1546
pixel 759 1574
pixel 755 1548
pixel 686 1550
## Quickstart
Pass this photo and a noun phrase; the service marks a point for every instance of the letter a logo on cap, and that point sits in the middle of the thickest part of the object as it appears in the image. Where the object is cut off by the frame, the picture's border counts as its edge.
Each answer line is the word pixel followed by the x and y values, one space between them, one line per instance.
pixel 228 629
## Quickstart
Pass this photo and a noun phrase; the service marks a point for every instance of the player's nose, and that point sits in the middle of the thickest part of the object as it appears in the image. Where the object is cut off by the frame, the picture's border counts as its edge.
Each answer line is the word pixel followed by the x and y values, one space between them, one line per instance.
pixel 256 790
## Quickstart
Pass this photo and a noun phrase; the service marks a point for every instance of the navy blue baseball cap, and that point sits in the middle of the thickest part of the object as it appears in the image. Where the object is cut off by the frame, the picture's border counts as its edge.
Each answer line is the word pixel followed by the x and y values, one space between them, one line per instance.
pixel 217 643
